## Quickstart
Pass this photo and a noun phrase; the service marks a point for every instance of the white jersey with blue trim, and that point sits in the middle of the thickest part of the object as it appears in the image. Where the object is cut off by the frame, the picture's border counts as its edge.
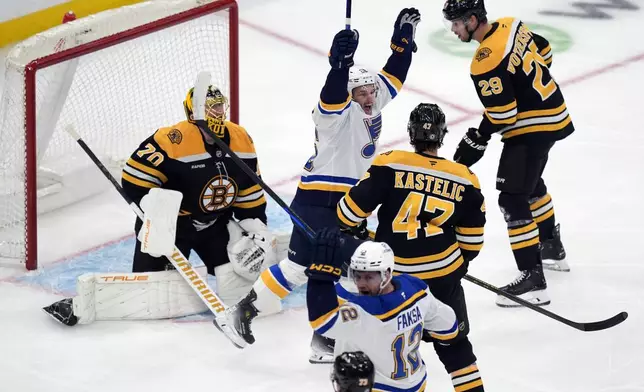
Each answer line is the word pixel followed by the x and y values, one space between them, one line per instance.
pixel 346 139
pixel 388 328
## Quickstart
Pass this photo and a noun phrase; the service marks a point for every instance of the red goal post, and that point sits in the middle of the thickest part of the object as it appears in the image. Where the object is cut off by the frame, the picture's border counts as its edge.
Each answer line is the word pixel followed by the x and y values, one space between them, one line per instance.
pixel 116 76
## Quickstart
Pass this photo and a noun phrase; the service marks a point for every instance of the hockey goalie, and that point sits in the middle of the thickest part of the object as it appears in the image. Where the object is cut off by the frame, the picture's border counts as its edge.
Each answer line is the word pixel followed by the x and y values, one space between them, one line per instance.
pixel 194 198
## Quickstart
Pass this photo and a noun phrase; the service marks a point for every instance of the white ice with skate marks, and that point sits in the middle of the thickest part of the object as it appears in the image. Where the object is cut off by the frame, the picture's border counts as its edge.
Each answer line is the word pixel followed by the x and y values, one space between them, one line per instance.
pixel 594 178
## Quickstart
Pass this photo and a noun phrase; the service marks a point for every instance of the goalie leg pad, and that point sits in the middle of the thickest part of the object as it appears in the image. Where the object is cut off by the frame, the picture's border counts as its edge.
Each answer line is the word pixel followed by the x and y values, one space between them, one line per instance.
pixel 135 296
pixel 231 287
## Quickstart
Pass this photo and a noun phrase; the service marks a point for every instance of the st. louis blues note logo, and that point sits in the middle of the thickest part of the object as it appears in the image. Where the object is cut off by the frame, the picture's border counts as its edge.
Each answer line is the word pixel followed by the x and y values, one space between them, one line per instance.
pixel 373 125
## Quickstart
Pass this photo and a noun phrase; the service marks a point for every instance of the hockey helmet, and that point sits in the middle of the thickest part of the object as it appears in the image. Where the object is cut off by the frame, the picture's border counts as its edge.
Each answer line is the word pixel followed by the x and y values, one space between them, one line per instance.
pixel 359 77
pixel 373 257
pixel 214 96
pixel 352 372
pixel 426 124
pixel 463 9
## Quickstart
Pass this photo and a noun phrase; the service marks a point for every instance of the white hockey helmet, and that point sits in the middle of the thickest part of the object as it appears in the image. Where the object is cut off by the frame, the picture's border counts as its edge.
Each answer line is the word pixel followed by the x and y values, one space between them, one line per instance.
pixel 373 257
pixel 359 77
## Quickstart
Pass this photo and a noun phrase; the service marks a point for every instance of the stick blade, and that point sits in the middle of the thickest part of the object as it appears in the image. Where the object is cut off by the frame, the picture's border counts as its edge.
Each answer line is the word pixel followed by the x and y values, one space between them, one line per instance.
pixel 605 324
pixel 199 95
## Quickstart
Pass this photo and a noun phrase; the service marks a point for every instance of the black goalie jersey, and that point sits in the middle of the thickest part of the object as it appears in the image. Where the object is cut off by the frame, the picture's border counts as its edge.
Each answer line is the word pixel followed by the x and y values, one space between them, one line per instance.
pixel 511 74
pixel 432 211
pixel 212 184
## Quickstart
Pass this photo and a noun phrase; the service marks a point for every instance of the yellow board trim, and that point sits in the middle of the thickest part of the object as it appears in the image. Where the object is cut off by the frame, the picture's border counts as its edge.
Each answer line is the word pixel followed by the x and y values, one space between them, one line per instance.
pixel 23 27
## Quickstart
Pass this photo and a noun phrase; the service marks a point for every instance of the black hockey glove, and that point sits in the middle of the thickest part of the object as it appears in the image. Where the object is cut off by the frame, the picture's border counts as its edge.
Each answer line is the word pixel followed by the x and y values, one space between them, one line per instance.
pixel 471 149
pixel 360 232
pixel 402 41
pixel 326 263
pixel 343 48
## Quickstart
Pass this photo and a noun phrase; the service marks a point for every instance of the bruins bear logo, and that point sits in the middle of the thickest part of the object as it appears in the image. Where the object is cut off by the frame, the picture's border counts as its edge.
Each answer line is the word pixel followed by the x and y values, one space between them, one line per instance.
pixel 482 54
pixel 175 136
pixel 220 193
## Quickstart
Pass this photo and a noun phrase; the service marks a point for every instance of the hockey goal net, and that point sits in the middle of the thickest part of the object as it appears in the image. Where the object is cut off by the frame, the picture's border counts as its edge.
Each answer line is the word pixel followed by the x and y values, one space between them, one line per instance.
pixel 115 76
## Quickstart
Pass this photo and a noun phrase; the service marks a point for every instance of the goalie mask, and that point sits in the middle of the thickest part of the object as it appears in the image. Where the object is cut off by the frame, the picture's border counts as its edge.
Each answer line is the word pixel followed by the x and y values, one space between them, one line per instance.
pixel 216 108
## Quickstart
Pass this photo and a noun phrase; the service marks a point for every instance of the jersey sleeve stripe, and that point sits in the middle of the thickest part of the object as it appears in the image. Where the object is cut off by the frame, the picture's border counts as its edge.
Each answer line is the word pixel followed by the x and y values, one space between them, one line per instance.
pixel 325 318
pixel 337 108
pixel 470 230
pixel 251 204
pixel 136 181
pixel 508 120
pixel 343 218
pixel 276 282
pixel 141 176
pixel 446 335
pixel 248 191
pixel 394 85
pixel 504 108
pixel 355 209
pixel 148 170
pixel 407 304
pixel 251 197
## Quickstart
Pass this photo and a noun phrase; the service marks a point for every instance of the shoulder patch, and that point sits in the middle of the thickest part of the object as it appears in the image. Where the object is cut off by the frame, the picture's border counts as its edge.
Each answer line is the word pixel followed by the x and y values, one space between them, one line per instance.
pixel 175 136
pixel 482 54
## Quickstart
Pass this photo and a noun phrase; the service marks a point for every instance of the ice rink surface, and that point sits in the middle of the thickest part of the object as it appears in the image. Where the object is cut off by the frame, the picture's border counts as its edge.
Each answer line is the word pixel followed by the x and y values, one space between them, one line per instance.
pixel 594 176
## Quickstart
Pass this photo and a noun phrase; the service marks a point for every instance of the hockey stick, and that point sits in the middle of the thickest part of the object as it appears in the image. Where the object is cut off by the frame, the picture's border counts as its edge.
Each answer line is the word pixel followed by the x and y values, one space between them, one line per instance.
pixel 347 14
pixel 201 86
pixel 586 327
pixel 199 111
pixel 178 260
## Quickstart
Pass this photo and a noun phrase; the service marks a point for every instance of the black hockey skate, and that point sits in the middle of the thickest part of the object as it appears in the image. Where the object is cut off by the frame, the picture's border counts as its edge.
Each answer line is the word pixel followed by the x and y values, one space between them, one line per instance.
pixel 62 311
pixel 530 286
pixel 321 349
pixel 553 252
pixel 236 320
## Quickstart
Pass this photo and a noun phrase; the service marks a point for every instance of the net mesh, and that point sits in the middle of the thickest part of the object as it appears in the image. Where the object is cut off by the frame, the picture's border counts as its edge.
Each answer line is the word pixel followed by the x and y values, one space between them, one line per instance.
pixel 114 98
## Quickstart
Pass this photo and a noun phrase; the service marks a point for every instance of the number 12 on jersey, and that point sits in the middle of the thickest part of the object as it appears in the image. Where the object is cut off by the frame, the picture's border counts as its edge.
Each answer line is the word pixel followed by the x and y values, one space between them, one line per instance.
pixel 404 363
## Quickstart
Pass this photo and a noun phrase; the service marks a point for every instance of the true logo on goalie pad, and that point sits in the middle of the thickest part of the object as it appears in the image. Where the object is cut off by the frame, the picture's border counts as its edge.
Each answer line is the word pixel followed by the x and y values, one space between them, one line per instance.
pixel 124 278
pixel 220 193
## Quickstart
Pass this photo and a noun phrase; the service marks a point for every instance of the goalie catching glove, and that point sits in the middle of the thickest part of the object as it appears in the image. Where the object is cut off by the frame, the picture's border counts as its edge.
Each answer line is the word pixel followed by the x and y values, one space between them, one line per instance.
pixel 251 247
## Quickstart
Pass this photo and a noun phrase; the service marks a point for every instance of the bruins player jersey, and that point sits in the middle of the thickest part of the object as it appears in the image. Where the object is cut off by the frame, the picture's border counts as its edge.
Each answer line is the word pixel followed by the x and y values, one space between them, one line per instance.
pixel 432 211
pixel 511 74
pixel 178 158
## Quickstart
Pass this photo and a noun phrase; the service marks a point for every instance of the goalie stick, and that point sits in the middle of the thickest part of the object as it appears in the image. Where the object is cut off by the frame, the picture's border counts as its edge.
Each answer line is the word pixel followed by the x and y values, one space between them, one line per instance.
pixel 200 89
pixel 178 260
